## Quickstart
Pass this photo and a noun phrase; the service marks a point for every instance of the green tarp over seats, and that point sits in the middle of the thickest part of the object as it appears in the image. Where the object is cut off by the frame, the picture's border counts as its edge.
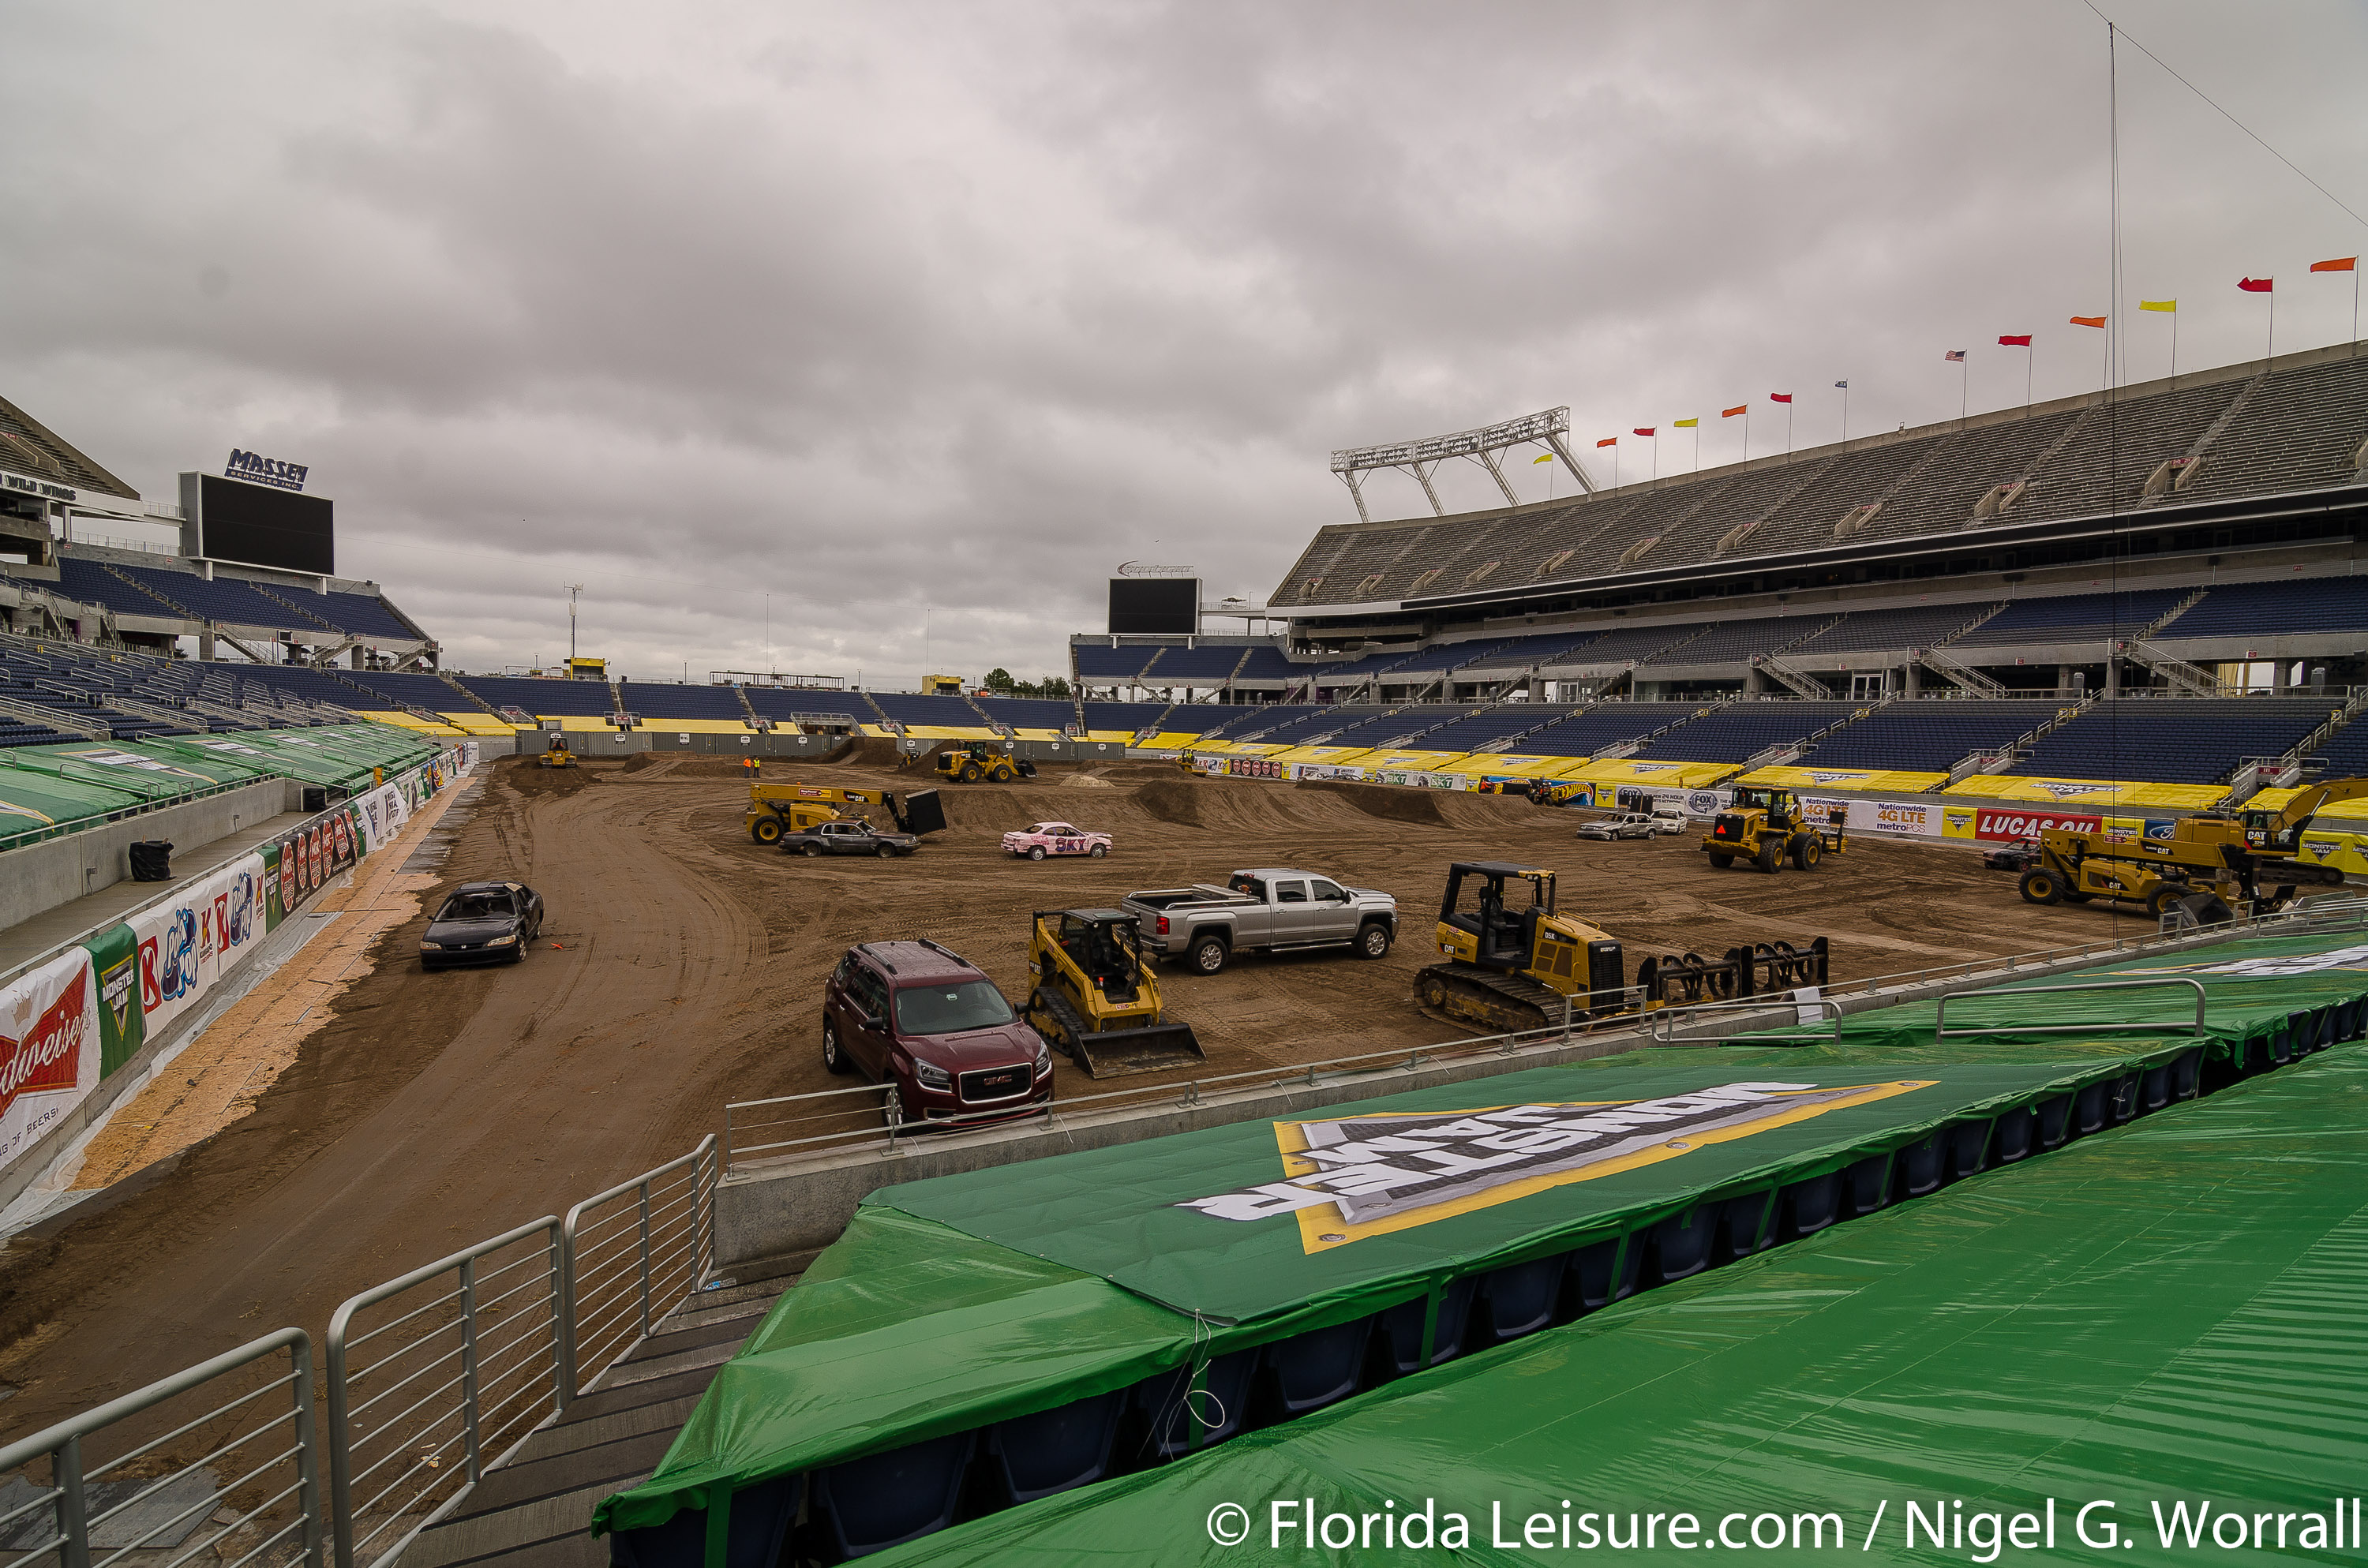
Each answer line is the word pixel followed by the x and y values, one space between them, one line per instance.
pixel 342 756
pixel 952 1305
pixel 38 805
pixel 2252 987
pixel 2165 1319
pixel 133 767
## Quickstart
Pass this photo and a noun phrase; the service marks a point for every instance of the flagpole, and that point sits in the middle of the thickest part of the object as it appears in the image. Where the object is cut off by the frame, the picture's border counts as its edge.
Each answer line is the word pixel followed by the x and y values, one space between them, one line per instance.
pixel 1964 376
pixel 1788 432
pixel 2355 311
pixel 2174 343
pixel 1846 413
pixel 2029 353
pixel 2274 325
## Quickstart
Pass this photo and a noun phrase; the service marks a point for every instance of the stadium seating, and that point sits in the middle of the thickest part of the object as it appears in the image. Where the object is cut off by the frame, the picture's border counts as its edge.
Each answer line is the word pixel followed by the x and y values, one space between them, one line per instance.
pixel 1446 656
pixel 937 713
pixel 1919 626
pixel 1481 730
pixel 2168 741
pixel 1612 723
pixel 1739 733
pixel 431 692
pixel 91 584
pixel 1205 666
pixel 1928 734
pixel 2072 617
pixel 1216 720
pixel 2343 754
pixel 778 704
pixel 2299 429
pixel 1521 653
pixel 1099 661
pixel 1401 727
pixel 665 700
pixel 226 600
pixel 1268 665
pixel 1300 723
pixel 1736 641
pixel 1127 716
pixel 1028 713
pixel 555 698
pixel 1361 669
pixel 1626 644
pixel 2283 608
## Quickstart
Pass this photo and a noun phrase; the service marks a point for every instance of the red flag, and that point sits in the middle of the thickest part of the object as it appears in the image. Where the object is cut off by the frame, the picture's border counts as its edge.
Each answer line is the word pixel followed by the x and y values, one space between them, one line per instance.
pixel 2255 285
pixel 2021 341
pixel 1609 441
pixel 1731 413
pixel 2088 321
pixel 2341 264
pixel 1780 397
pixel 1644 429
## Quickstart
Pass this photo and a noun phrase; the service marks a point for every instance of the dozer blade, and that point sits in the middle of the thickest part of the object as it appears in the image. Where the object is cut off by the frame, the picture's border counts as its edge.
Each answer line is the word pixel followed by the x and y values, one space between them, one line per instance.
pixel 1149 1048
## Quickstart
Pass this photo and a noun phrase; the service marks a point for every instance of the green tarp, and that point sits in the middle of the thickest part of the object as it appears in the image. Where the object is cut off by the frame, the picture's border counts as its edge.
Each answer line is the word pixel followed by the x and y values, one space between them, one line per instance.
pixel 953 1303
pixel 36 805
pixel 2162 1322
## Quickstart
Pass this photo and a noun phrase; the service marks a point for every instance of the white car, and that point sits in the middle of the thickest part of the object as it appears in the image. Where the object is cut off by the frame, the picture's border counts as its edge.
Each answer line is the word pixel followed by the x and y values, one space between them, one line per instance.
pixel 1055 838
pixel 1669 819
pixel 1627 825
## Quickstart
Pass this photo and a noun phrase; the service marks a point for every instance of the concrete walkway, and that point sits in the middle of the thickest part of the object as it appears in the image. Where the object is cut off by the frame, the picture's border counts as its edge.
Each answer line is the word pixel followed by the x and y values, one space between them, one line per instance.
pixel 32 938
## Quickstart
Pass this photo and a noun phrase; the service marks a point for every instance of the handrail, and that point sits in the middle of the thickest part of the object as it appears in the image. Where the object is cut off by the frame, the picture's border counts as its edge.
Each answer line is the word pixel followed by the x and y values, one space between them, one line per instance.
pixel 651 1241
pixel 1940 1015
pixel 68 1494
pixel 1669 1017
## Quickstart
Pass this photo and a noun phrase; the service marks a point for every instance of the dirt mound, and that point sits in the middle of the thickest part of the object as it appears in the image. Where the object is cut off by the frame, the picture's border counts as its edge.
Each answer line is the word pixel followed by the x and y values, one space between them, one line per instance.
pixel 529 776
pixel 1171 800
pixel 863 751
pixel 1388 803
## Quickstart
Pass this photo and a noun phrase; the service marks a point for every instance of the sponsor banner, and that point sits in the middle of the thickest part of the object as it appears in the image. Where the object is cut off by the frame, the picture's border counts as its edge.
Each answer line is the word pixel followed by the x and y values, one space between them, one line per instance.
pixel 122 1023
pixel 50 1047
pixel 313 856
pixel 185 945
pixel 1253 767
pixel 1327 772
pixel 1903 819
pixel 382 813
pixel 1654 798
pixel 1416 780
pixel 2004 825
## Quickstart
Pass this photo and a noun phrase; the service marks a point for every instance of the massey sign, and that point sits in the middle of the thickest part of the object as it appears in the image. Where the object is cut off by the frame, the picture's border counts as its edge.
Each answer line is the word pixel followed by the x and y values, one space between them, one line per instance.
pixel 261 470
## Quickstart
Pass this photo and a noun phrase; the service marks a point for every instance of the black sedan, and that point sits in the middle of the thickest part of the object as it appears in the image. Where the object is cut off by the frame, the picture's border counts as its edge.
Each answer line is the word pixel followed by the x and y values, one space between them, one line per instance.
pixel 483 923
pixel 848 838
pixel 2018 857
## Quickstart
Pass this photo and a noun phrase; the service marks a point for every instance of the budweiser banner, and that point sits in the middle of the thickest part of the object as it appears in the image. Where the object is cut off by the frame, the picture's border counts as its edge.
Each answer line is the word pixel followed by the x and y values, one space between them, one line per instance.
pixel 49 1047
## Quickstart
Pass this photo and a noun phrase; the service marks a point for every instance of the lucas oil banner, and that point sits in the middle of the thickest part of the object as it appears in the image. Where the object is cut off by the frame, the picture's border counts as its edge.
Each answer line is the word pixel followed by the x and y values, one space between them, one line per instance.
pixel 50 1047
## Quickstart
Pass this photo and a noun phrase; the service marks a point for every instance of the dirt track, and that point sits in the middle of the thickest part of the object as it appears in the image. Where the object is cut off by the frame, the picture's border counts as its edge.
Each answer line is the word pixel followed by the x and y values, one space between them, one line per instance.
pixel 437 1110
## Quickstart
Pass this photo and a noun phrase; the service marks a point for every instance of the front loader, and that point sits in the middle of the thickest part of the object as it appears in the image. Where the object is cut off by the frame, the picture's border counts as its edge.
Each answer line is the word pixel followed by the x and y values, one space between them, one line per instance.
pixel 1769 827
pixel 777 809
pixel 1095 999
pixel 981 762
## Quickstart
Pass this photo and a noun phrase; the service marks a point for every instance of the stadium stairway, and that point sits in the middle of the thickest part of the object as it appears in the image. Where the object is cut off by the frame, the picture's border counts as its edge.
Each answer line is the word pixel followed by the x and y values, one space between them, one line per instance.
pixel 535 1509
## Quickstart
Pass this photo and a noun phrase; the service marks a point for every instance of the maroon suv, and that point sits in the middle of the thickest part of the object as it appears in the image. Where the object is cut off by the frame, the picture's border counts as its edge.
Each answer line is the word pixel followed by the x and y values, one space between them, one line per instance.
pixel 918 1017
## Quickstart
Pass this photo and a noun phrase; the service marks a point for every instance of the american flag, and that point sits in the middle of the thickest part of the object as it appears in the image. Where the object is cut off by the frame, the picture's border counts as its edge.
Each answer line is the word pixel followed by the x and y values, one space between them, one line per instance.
pixel 1955 355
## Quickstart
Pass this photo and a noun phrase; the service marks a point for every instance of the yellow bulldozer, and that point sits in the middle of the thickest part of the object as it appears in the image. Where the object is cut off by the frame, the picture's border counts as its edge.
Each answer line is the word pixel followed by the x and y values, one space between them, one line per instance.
pixel 1513 965
pixel 1095 999
pixel 555 752
pixel 1769 827
pixel 976 762
pixel 777 809
pixel 2229 858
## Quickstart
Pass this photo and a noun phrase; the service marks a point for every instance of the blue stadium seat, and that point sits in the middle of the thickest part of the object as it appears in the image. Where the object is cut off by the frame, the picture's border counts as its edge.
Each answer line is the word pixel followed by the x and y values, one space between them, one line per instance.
pixel 1681 1244
pixel 884 1499
pixel 1398 1342
pixel 1052 1451
pixel 1588 1285
pixel 1173 1410
pixel 762 1517
pixel 1321 1366
pixel 1516 1300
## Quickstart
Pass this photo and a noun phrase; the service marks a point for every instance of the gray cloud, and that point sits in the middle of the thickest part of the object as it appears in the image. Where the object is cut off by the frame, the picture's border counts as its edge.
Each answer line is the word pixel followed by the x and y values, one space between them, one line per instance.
pixel 924 316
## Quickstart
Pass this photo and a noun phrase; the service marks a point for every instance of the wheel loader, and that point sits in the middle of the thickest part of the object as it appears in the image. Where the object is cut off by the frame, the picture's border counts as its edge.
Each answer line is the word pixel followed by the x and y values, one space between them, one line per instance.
pixel 555 753
pixel 1095 999
pixel 981 762
pixel 1769 827
pixel 777 809
pixel 1512 966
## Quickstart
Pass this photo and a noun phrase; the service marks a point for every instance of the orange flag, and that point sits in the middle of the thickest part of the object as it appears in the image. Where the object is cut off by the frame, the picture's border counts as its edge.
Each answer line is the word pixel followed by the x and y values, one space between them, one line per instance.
pixel 1609 441
pixel 1731 413
pixel 2341 264
pixel 2088 321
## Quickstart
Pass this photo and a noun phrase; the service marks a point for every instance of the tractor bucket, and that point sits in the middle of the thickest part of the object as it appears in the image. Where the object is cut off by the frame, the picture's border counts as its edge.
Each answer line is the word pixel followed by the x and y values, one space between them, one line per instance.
pixel 1146 1047
pixel 922 812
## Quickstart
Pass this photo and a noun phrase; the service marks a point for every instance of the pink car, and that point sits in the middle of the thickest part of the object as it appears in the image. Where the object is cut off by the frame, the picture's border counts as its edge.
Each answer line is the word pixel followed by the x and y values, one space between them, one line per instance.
pixel 1055 838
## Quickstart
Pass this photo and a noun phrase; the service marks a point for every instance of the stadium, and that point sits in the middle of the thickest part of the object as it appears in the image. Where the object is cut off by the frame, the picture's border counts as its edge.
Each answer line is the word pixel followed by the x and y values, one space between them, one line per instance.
pixel 1804 1005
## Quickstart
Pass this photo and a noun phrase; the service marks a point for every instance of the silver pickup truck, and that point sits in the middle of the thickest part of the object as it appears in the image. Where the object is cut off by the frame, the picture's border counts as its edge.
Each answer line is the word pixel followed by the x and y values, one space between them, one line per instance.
pixel 1264 909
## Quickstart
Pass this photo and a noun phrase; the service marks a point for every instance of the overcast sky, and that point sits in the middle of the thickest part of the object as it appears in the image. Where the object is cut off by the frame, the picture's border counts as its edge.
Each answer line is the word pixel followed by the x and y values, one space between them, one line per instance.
pixel 908 322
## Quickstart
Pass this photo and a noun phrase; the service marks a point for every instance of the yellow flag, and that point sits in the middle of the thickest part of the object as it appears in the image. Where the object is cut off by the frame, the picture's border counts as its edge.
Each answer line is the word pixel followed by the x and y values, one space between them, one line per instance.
pixel 1547 458
pixel 2168 306
pixel 1685 423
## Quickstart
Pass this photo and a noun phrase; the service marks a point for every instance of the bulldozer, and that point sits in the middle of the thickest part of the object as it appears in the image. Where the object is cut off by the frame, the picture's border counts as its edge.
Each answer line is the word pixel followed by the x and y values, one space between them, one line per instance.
pixel 555 752
pixel 777 809
pixel 1095 999
pixel 975 762
pixel 1513 967
pixel 2211 852
pixel 1769 827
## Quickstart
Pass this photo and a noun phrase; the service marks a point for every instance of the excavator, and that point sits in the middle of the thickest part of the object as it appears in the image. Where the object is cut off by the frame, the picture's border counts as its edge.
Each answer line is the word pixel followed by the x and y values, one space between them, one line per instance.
pixel 777 809
pixel 2228 857
pixel 1095 999
pixel 1514 966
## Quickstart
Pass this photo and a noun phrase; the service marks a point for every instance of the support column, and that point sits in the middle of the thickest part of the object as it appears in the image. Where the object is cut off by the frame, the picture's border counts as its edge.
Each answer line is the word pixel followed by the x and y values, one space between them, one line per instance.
pixel 2063 683
pixel 1915 681
pixel 2112 674
pixel 1754 683
pixel 206 643
pixel 2279 685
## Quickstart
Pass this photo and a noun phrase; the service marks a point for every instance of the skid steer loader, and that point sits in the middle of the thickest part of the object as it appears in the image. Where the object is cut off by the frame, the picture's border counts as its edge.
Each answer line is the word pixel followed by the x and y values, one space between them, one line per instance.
pixel 1094 998
pixel 977 762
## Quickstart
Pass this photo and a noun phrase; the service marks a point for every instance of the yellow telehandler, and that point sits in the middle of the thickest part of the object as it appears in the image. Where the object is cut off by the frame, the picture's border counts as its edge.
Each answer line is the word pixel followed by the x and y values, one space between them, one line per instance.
pixel 777 809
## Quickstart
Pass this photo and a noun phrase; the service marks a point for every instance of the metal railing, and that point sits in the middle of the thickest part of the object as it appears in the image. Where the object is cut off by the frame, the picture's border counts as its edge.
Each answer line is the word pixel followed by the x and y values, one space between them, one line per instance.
pixel 463 1372
pixel 180 1512
pixel 1663 1025
pixel 1940 1015
pixel 627 1257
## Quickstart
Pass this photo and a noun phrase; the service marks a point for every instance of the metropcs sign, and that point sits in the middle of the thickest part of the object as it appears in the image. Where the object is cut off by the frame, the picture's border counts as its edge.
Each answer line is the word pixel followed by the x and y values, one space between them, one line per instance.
pixel 261 470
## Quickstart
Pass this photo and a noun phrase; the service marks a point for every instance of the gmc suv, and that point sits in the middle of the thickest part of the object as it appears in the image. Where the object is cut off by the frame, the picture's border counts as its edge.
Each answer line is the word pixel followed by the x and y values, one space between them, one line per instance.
pixel 915 1016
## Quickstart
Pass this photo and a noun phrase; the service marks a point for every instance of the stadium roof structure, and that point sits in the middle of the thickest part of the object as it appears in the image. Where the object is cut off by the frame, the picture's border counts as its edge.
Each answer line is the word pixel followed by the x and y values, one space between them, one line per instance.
pixel 1548 427
pixel 2164 467
pixel 30 449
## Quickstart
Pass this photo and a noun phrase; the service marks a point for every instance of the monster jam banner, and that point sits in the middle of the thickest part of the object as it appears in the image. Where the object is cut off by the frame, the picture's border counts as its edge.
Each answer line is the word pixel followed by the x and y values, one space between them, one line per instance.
pixel 187 944
pixel 50 1047
pixel 1242 1223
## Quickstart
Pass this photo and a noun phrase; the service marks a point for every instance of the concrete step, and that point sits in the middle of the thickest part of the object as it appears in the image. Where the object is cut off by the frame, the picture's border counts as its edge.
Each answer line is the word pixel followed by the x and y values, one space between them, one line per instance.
pixel 544 1519
pixel 523 1480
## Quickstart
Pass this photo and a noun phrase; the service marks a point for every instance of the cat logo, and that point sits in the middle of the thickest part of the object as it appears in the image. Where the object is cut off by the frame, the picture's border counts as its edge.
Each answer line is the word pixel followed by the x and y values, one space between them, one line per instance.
pixel 1356 1177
